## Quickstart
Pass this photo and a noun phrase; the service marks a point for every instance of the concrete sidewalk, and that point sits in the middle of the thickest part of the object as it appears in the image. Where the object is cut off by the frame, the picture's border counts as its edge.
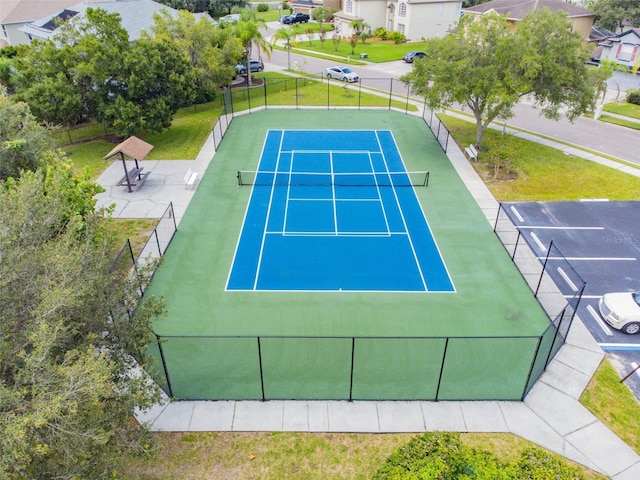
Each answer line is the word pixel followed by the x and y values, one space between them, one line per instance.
pixel 551 416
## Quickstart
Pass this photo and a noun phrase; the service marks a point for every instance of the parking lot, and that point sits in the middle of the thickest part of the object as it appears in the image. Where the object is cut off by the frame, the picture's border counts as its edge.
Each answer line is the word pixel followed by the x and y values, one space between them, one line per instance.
pixel 601 241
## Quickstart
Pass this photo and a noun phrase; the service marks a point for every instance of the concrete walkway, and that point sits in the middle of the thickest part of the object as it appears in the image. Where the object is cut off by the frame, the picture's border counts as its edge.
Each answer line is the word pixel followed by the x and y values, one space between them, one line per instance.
pixel 551 416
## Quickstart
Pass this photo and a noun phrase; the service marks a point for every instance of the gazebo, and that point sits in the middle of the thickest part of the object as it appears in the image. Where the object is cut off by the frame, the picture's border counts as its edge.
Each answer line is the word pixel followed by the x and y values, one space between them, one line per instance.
pixel 136 149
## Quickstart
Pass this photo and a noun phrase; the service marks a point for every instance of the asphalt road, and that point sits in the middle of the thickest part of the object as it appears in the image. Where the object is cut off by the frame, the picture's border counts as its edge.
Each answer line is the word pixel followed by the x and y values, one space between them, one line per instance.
pixel 620 142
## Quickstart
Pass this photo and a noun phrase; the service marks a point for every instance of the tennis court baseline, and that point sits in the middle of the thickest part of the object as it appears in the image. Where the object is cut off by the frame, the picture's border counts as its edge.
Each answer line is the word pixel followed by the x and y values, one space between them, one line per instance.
pixel 335 210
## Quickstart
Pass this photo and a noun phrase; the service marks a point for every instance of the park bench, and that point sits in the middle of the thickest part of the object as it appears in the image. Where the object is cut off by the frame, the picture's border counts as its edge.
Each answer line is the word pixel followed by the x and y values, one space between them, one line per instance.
pixel 471 152
pixel 191 179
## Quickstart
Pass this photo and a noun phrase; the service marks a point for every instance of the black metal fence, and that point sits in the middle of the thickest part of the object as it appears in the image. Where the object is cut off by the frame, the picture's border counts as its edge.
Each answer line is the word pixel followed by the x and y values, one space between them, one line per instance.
pixel 320 92
pixel 127 261
pixel 350 368
pixel 543 274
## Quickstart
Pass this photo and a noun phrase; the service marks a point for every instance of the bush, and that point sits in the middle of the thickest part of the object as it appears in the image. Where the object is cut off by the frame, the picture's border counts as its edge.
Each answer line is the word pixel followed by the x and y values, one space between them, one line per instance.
pixel 263 7
pixel 381 33
pixel 633 96
pixel 443 455
pixel 397 37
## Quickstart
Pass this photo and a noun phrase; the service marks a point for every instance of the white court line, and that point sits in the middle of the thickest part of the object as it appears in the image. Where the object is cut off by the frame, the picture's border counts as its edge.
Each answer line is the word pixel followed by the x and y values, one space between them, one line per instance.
pixel 599 321
pixel 564 275
pixel 537 240
pixel 516 213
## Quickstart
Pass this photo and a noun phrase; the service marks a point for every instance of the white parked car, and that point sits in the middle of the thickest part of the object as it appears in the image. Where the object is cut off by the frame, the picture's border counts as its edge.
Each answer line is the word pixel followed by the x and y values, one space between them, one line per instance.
pixel 621 310
pixel 342 73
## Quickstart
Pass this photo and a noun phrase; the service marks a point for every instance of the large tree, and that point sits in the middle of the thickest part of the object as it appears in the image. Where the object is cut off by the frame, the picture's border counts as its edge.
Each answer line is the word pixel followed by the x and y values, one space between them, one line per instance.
pixel 248 31
pixel 612 14
pixel 70 328
pixel 24 143
pixel 484 67
pixel 212 52
pixel 154 80
pixel 67 78
pixel 90 70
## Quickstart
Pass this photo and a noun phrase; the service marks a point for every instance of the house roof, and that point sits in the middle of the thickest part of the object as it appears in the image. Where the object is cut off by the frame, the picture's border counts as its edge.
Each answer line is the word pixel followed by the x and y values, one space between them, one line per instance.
pixel 518 9
pixel 132 147
pixel 617 38
pixel 135 16
pixel 22 11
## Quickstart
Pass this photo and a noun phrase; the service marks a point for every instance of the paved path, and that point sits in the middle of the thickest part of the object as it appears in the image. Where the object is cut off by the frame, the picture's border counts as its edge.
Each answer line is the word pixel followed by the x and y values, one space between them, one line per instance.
pixel 551 415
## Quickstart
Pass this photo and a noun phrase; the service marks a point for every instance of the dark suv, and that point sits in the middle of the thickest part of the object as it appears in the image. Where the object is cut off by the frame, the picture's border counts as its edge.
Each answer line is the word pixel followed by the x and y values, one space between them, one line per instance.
pixel 411 56
pixel 295 18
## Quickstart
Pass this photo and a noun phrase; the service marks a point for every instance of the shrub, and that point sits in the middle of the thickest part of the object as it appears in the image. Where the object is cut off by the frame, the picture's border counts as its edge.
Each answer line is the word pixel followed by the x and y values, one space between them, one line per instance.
pixel 397 37
pixel 633 96
pixel 381 33
pixel 263 7
pixel 441 455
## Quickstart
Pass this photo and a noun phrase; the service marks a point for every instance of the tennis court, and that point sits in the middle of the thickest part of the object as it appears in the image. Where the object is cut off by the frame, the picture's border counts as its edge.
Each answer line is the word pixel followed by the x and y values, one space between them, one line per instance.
pixel 336 273
pixel 335 210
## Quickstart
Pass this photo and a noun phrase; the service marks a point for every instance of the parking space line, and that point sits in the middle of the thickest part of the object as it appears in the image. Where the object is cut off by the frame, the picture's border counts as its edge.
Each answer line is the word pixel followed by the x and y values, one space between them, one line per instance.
pixel 619 346
pixel 599 321
pixel 537 240
pixel 594 259
pixel 516 213
pixel 560 228
pixel 566 278
pixel 591 297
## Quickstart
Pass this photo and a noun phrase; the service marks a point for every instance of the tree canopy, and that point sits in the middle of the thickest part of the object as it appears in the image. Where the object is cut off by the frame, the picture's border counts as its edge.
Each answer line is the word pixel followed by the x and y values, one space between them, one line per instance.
pixel 484 67
pixel 212 52
pixel 68 331
pixel 612 14
pixel 90 70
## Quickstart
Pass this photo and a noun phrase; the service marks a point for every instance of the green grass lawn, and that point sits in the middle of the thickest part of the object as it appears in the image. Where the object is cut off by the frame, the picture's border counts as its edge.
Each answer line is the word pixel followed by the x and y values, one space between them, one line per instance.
pixel 376 50
pixel 529 171
pixel 614 404
pixel 623 108
pixel 291 456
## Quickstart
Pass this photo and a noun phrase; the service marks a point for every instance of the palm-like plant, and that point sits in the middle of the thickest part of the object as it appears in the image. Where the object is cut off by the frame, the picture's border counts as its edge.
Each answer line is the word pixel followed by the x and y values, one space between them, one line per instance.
pixel 288 37
pixel 248 31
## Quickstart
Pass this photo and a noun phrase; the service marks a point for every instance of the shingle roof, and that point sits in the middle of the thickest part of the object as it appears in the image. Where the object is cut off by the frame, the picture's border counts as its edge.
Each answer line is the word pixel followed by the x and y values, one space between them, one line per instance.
pixel 132 147
pixel 518 9
pixel 20 11
pixel 135 15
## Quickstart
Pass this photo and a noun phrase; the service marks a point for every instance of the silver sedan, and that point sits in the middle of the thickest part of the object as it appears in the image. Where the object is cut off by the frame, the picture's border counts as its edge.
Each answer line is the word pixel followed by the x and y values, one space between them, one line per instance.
pixel 342 73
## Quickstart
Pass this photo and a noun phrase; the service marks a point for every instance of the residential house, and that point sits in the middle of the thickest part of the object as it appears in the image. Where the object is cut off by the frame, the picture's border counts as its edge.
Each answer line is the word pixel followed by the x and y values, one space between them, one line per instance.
pixel 416 19
pixel 15 14
pixel 623 48
pixel 135 16
pixel 515 10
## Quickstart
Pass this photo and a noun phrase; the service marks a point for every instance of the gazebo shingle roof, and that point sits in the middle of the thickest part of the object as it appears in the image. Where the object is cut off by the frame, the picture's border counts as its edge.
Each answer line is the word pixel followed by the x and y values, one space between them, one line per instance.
pixel 132 147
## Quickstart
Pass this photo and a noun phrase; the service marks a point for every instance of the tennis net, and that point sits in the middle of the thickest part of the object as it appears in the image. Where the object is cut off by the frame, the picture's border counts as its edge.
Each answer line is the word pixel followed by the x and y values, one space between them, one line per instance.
pixel 319 179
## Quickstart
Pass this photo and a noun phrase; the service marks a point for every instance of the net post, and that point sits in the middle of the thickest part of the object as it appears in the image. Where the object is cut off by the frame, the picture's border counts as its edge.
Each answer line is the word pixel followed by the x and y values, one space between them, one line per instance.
pixel 426 179
pixel 239 176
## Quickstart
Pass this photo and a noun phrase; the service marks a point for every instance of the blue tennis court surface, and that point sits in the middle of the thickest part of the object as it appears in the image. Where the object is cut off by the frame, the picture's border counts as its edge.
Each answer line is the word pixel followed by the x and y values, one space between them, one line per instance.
pixel 335 210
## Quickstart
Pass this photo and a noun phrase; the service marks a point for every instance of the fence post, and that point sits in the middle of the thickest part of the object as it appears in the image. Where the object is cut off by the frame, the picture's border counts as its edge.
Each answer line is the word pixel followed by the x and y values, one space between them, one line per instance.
pixel 264 84
pixel 261 371
pixel 297 96
pixel 353 352
pixel 164 365
pixel 390 93
pixel 533 364
pixel 406 105
pixel 544 267
pixel 173 215
pixel 328 92
pixel 444 356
